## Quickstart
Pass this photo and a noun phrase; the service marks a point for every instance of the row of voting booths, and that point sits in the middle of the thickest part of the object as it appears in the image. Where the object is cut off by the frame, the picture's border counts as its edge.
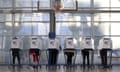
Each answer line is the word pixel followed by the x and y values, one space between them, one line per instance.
pixel 86 48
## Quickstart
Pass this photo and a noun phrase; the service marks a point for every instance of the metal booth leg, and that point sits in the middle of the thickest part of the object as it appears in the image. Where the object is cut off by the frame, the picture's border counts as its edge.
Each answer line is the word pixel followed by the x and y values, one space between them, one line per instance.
pixel 110 57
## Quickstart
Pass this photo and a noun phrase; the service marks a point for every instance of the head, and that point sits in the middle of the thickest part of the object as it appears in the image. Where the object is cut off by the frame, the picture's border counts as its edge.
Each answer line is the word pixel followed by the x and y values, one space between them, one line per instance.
pixel 15 37
pixel 34 37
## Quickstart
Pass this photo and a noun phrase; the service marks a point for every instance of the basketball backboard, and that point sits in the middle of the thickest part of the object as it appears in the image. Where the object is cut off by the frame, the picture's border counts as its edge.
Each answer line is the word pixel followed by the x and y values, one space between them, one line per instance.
pixel 65 4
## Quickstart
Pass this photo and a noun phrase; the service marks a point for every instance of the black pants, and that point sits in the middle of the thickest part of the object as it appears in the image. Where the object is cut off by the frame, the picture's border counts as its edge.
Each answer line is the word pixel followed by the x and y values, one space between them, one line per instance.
pixel 103 55
pixel 16 54
pixel 53 54
pixel 69 57
pixel 85 54
pixel 69 53
pixel 35 52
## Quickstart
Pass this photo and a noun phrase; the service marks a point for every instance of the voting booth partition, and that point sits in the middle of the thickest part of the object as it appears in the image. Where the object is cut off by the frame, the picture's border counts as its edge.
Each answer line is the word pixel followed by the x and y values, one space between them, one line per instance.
pixel 16 45
pixel 52 51
pixel 87 49
pixel 105 47
pixel 69 51
pixel 53 44
pixel 34 51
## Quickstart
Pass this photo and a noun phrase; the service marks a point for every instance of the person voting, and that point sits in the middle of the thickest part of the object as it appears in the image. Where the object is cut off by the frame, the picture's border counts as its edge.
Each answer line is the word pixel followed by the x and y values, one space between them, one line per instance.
pixel 53 48
pixel 34 48
pixel 105 45
pixel 87 45
pixel 69 49
pixel 15 48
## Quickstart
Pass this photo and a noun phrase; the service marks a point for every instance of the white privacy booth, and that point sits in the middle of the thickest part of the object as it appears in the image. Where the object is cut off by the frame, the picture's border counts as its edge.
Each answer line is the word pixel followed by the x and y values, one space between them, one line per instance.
pixel 35 50
pixel 105 49
pixel 69 50
pixel 53 51
pixel 87 49
pixel 16 46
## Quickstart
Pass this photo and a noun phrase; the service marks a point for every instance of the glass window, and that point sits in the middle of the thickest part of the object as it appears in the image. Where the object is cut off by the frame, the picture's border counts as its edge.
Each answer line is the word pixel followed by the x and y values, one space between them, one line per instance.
pixel 115 28
pixel 101 3
pixel 40 28
pixel 18 3
pixel 8 17
pixel 1 28
pixel 96 41
pixel 2 42
pixel 69 4
pixel 18 17
pixel 7 28
pixel 63 29
pixel 5 17
pixel 26 3
pixel 24 17
pixel 115 3
pixel 86 29
pixel 73 17
pixel 115 16
pixel 83 3
pixel 25 29
pixel 5 3
pixel 72 24
pixel 116 42
pixel 6 42
pixel 73 28
pixel 101 28
pixel 2 17
pixel 62 16
pixel 43 4
pixel 33 29
pixel 32 17
pixel 101 17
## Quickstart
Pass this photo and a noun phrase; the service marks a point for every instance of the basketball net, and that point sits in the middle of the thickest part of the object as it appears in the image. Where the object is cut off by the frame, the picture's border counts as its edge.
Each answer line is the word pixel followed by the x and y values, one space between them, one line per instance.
pixel 57 10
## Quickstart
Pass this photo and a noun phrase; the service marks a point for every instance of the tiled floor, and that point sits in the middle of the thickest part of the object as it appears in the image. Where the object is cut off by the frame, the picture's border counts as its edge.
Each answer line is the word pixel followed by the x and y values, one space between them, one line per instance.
pixel 59 69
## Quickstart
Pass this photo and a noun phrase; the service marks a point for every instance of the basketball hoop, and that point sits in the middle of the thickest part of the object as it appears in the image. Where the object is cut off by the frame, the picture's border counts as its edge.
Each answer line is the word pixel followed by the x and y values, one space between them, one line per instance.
pixel 57 8
pixel 57 5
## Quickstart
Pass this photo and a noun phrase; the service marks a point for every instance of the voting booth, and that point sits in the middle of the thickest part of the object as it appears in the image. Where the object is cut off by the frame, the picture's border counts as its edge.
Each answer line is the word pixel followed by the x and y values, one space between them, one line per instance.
pixel 16 46
pixel 88 43
pixel 15 43
pixel 87 49
pixel 53 44
pixel 105 47
pixel 35 43
pixel 34 50
pixel 69 44
pixel 53 50
pixel 69 50
pixel 106 43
